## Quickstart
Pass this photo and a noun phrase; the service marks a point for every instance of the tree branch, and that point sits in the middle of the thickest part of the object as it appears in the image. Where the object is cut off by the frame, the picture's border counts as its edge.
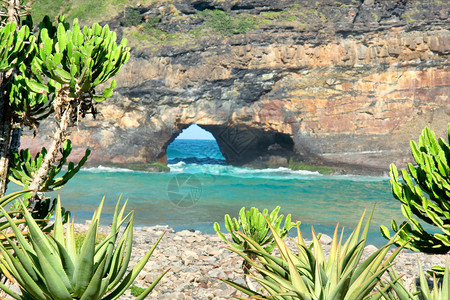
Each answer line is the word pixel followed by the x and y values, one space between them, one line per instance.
pixel 5 141
pixel 50 158
pixel 12 8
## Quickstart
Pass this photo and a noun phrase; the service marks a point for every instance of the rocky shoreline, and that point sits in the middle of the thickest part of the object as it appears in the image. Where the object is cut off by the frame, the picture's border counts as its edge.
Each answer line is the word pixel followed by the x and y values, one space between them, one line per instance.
pixel 197 261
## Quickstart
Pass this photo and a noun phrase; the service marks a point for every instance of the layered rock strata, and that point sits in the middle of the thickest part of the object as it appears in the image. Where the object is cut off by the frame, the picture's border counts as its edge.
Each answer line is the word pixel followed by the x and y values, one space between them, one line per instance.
pixel 351 87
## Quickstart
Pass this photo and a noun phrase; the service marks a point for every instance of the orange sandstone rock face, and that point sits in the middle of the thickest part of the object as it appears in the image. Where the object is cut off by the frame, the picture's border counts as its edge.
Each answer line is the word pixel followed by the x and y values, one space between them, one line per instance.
pixel 354 94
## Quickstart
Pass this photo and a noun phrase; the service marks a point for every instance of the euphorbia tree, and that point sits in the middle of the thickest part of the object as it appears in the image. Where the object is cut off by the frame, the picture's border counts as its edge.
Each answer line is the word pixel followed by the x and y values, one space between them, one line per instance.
pixel 54 73
pixel 424 194
pixel 13 51
pixel 68 65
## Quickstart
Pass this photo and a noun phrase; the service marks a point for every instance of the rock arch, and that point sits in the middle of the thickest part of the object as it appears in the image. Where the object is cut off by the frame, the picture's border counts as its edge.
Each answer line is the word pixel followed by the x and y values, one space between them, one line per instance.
pixel 244 145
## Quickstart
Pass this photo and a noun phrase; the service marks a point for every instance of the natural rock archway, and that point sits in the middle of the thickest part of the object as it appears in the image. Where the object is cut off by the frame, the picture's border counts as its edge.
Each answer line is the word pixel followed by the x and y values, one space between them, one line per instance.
pixel 352 90
pixel 242 145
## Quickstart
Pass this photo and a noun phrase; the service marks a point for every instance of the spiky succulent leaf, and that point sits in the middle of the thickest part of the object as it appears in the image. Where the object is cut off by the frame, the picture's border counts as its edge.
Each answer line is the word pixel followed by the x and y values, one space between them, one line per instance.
pixel 308 274
pixel 430 176
pixel 50 266
pixel 253 223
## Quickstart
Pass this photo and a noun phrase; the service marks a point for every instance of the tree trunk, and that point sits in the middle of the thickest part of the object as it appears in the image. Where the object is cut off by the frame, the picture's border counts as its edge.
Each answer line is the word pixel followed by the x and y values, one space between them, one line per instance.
pixel 6 118
pixel 5 140
pixel 13 11
pixel 58 138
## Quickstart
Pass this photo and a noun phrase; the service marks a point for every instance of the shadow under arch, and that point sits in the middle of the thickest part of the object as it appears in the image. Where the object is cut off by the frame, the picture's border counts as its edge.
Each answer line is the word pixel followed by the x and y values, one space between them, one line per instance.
pixel 243 145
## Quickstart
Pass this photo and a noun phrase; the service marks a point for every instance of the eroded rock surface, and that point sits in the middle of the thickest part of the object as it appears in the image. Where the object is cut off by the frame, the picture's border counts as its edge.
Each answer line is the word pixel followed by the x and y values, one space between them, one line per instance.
pixel 352 85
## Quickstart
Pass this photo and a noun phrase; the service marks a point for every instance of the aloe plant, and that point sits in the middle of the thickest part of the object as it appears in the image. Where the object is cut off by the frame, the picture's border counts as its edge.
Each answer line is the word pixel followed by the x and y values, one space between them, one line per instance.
pixel 395 289
pixel 253 224
pixel 51 267
pixel 309 275
pixel 424 194
pixel 6 201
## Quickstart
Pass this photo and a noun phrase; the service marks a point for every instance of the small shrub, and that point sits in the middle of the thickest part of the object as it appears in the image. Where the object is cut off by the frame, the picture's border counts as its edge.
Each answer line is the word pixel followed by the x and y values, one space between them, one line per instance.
pixel 152 30
pixel 271 15
pixel 153 21
pixel 224 24
pixel 255 225
pixel 132 17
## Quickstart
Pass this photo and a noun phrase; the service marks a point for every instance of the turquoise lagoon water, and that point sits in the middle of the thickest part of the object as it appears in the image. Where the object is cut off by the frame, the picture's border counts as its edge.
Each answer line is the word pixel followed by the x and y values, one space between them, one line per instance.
pixel 200 189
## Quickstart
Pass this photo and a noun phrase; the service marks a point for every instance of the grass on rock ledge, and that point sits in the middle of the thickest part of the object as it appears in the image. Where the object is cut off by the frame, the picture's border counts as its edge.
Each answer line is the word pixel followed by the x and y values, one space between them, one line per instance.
pixel 298 166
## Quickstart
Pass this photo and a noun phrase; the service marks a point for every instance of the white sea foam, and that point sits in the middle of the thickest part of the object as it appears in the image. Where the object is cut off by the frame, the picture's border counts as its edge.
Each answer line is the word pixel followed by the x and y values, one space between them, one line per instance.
pixel 361 178
pixel 278 173
pixel 102 169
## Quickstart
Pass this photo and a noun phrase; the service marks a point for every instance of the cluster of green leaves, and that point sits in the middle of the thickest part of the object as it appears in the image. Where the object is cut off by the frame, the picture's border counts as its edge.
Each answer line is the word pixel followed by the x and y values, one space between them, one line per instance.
pixel 257 226
pixel 14 46
pixel 52 266
pixel 132 17
pixel 81 59
pixel 227 25
pixel 309 275
pixel 24 167
pixel 17 49
pixel 424 193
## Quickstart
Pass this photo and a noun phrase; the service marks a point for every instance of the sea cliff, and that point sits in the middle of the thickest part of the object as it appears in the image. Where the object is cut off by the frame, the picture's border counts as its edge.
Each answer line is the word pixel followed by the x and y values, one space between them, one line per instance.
pixel 343 83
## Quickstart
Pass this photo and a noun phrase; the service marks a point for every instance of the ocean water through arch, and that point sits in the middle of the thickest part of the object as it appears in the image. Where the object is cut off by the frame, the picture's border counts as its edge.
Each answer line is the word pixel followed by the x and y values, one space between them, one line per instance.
pixel 200 189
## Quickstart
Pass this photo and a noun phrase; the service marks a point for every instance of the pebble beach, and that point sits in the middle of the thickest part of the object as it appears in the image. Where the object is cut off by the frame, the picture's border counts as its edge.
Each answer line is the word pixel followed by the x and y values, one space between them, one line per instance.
pixel 197 261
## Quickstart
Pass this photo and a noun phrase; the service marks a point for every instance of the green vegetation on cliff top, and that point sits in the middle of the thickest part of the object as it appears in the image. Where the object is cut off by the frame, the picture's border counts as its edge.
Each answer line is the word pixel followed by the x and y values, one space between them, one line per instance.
pixel 152 23
pixel 155 22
